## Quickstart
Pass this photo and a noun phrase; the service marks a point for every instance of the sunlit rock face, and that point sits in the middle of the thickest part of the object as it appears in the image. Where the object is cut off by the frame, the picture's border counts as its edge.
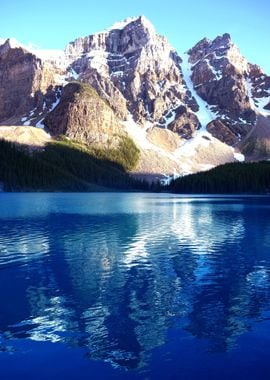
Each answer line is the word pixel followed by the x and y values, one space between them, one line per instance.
pixel 219 74
pixel 29 86
pixel 259 89
pixel 19 77
pixel 134 68
pixel 237 90
pixel 83 116
pixel 211 93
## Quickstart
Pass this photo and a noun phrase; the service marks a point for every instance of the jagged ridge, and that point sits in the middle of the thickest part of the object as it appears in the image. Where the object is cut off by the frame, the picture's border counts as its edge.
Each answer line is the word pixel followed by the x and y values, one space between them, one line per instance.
pixel 213 92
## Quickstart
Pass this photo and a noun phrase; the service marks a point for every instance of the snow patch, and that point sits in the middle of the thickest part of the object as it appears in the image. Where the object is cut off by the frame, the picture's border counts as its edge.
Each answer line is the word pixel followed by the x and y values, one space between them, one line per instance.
pixel 261 103
pixel 205 115
pixel 73 73
pixel 257 104
pixel 122 24
pixel 217 73
pixel 242 121
pixel 98 60
pixel 61 80
pixel 57 101
pixel 139 134
pixel 40 124
pixel 26 120
pixel 54 56
pixel 14 44
pixel 238 156
pixel 119 73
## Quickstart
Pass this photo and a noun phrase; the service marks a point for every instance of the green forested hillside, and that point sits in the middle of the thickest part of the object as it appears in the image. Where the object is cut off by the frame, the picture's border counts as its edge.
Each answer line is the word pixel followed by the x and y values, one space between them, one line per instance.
pixel 64 165
pixel 67 166
pixel 247 178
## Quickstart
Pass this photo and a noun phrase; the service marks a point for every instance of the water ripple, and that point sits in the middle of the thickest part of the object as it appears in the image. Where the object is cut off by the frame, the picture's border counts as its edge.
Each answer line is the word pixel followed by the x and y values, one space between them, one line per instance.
pixel 118 283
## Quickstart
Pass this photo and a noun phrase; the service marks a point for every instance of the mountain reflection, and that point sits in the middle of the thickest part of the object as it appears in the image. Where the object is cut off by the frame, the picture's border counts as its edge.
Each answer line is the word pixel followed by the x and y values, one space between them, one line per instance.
pixel 115 284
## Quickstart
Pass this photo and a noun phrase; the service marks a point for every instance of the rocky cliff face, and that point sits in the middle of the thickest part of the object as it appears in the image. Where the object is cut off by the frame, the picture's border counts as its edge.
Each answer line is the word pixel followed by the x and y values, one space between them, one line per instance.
pixel 19 77
pixel 83 116
pixel 234 89
pixel 258 85
pixel 178 109
pixel 136 70
pixel 139 73
pixel 28 85
pixel 219 75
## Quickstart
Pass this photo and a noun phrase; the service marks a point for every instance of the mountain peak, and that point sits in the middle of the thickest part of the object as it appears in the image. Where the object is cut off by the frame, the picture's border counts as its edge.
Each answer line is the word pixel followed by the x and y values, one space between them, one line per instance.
pixel 221 42
pixel 122 24
pixel 134 21
pixel 12 43
pixel 145 22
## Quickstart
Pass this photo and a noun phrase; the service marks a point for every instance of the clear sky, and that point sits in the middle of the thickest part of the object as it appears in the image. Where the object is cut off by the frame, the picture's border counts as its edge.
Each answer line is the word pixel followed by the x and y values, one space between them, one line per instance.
pixel 53 23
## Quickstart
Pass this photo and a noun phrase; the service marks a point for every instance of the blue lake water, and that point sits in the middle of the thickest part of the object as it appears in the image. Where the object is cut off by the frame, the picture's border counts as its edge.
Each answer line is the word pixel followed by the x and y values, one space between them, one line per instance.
pixel 134 286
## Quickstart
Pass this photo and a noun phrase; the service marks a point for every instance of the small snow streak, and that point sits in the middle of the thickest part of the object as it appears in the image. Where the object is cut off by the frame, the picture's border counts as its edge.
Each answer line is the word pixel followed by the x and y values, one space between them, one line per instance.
pixel 204 114
pixel 257 104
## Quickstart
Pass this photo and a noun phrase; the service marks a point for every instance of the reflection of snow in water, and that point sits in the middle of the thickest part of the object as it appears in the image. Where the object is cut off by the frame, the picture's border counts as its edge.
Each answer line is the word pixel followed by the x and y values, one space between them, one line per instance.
pixel 94 318
pixel 259 278
pixel 23 246
pixel 137 251
pixel 50 325
pixel 200 229
pixel 194 225
pixel 136 275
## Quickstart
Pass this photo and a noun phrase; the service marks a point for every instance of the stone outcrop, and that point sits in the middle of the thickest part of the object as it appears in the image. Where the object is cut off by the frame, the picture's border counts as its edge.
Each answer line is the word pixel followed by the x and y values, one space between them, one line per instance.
pixel 83 116
pixel 131 79
pixel 222 132
pixel 219 74
pixel 132 67
pixel 28 85
pixel 259 85
pixel 185 123
pixel 20 75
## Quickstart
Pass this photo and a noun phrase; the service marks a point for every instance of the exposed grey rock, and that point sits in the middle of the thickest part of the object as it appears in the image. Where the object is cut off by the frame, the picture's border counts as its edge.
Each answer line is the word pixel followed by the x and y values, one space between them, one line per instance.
pixel 260 86
pixel 223 132
pixel 134 68
pixel 83 116
pixel 137 73
pixel 185 123
pixel 28 86
pixel 219 73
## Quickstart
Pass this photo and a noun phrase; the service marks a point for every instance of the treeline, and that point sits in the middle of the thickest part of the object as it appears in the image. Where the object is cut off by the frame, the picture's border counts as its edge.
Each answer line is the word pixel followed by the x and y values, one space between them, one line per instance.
pixel 233 178
pixel 67 166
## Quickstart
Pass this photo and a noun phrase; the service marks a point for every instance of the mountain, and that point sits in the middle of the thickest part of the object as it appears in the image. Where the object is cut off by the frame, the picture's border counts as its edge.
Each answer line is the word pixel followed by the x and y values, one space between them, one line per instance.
pixel 135 68
pixel 186 113
pixel 83 115
pixel 29 86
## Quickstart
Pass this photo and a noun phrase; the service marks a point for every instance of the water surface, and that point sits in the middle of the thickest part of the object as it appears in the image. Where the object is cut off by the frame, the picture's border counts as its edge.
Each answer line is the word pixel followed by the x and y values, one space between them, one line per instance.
pixel 134 286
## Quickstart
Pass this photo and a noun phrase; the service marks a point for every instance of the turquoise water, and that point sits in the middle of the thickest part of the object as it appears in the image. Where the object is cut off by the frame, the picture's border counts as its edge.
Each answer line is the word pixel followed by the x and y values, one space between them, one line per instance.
pixel 134 286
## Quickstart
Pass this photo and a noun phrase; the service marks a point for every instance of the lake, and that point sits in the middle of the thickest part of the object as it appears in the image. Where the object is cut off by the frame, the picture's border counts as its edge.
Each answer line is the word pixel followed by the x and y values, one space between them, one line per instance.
pixel 134 286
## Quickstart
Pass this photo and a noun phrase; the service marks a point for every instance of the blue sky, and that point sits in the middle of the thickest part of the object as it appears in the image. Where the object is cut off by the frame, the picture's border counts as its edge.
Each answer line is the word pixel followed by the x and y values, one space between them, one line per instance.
pixel 53 23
